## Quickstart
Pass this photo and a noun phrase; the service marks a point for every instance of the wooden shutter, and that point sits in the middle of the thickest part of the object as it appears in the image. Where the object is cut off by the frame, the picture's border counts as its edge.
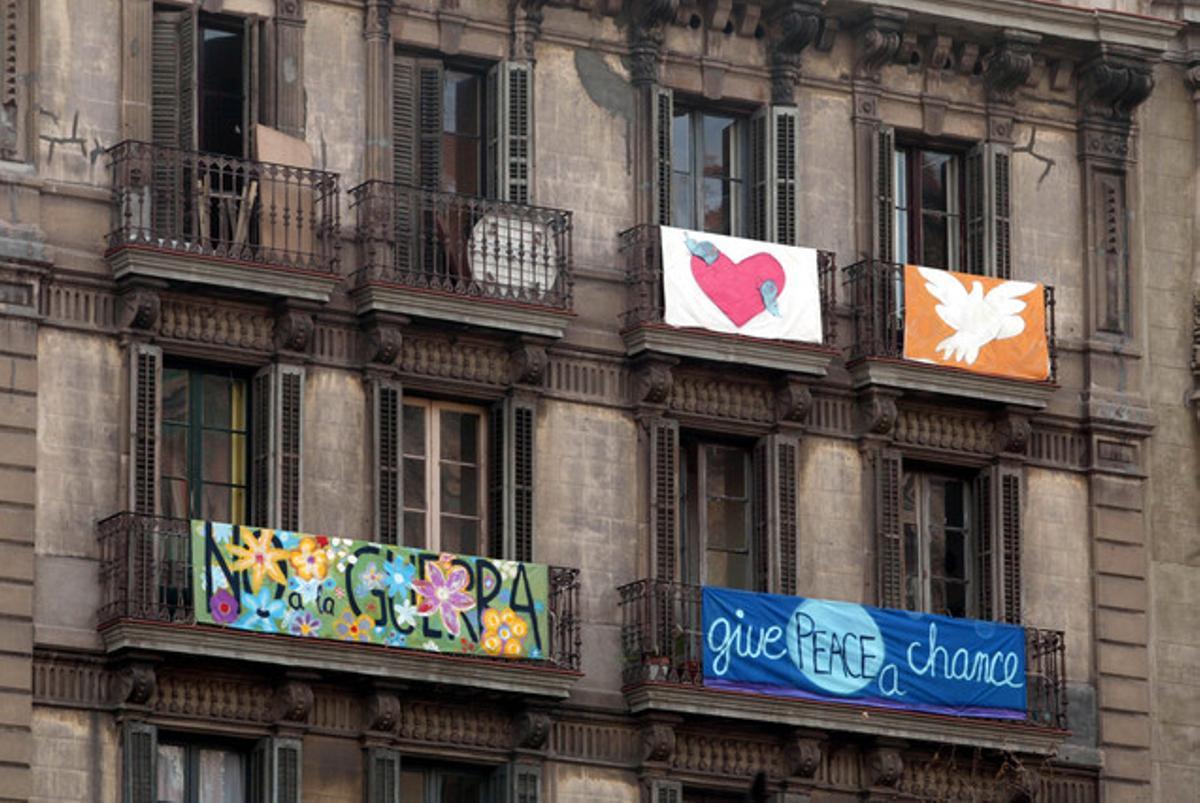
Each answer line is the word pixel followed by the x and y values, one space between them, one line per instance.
pixel 758 185
pixel 662 791
pixel 664 496
pixel 172 115
pixel 510 479
pixel 889 533
pixel 429 124
pixel 251 82
pixel 787 495
pixel 998 543
pixel 988 248
pixel 387 414
pixel 276 771
pixel 761 515
pixel 774 513
pixel 662 113
pixel 510 132
pixel 404 120
pixel 1009 531
pixel 145 404
pixel 785 153
pixel 383 775
pixel 883 180
pixel 139 745
pixel 277 426
pixel 517 783
pixel 985 546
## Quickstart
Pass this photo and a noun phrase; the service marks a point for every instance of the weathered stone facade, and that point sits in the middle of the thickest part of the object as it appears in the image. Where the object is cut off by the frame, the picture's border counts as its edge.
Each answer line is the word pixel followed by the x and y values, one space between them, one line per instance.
pixel 1098 105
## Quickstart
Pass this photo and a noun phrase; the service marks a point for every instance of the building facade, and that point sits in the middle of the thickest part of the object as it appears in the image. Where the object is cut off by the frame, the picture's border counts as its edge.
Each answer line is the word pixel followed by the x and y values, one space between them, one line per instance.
pixel 392 271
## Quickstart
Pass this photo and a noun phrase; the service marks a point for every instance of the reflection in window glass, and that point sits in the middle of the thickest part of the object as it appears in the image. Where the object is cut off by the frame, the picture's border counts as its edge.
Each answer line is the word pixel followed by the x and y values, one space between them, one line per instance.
pixel 462 132
pixel 707 167
pixel 938 551
pixel 443 477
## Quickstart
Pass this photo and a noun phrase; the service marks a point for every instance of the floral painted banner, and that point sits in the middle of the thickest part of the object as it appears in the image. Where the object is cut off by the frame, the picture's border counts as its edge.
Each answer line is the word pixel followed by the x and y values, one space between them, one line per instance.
pixel 316 586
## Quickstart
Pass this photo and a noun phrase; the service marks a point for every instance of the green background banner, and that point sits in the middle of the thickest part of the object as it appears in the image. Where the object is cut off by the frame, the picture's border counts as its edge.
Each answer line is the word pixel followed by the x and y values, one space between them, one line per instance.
pixel 316 586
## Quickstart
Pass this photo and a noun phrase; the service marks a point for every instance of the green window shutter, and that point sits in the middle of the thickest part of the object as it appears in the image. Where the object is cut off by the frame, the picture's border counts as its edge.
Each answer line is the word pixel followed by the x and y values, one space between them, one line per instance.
pixel 988 248
pixel 276 771
pixel 889 532
pixel 883 180
pixel 387 404
pixel 985 545
pixel 662 113
pixel 139 746
pixel 383 775
pixel 510 132
pixel 664 496
pixel 510 479
pixel 145 404
pixel 276 464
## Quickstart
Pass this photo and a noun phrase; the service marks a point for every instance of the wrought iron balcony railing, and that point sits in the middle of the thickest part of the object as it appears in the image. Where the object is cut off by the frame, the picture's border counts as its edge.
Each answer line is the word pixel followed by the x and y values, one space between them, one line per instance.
pixel 464 245
pixel 641 251
pixel 146 574
pixel 663 642
pixel 210 205
pixel 875 290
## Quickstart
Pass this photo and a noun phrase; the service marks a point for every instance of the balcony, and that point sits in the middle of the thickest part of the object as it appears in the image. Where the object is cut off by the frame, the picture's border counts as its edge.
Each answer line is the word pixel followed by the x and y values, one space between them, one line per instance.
pixel 147 575
pixel 448 257
pixel 644 328
pixel 202 218
pixel 663 649
pixel 876 353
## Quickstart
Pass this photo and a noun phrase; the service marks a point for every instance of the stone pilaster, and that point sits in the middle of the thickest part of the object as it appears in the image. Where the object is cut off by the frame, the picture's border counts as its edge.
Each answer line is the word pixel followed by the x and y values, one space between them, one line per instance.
pixel 377 154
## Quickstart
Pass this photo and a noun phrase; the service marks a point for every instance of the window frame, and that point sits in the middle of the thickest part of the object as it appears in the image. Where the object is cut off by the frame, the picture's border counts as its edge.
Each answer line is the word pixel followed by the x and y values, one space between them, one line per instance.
pixel 192 748
pixel 431 537
pixel 693 508
pixel 740 165
pixel 908 238
pixel 922 477
pixel 234 24
pixel 195 428
pixel 482 110
pixel 434 778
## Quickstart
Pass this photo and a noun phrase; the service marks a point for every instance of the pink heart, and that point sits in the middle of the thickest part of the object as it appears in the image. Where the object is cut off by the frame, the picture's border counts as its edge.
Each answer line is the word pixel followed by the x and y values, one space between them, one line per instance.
pixel 735 287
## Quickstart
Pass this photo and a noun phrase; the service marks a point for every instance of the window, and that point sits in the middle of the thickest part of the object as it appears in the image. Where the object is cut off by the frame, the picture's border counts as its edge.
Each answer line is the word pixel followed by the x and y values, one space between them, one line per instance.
pixel 444 471
pixel 444 785
pixel 707 171
pixel 204 445
pixel 928 196
pixel 938 549
pixel 221 86
pixel 199 773
pixel 462 133
pixel 718 537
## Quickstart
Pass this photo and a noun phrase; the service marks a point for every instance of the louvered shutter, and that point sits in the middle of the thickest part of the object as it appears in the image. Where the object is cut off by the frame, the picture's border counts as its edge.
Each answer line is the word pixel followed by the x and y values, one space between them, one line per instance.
pixel 761 515
pixel 774 152
pixel 510 479
pixel 759 188
pixel 276 771
pixel 145 404
pixel 172 115
pixel 662 791
pixel 405 94
pixel 662 112
pixel 517 783
pixel 510 132
pixel 774 513
pixel 883 180
pixel 277 425
pixel 988 248
pixel 1009 530
pixel 985 546
pixel 387 405
pixel 429 124
pixel 383 775
pixel 664 496
pixel 786 454
pixel 889 533
pixel 139 746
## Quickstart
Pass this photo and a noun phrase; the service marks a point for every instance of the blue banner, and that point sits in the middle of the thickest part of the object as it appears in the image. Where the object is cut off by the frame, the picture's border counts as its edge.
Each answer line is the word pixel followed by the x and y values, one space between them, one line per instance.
pixel 823 650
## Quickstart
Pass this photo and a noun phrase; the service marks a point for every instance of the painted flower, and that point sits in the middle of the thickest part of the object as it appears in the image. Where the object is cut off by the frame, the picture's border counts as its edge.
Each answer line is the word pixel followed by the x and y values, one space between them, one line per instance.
pixel 398 574
pixel 443 592
pixel 309 561
pixel 406 613
pixel 305 624
pixel 260 556
pixel 223 607
pixel 307 589
pixel 395 639
pixel 354 628
pixel 372 577
pixel 260 611
pixel 503 632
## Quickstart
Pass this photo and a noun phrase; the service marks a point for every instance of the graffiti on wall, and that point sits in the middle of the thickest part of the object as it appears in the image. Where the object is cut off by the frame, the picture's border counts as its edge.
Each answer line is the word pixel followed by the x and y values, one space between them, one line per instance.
pixel 316 586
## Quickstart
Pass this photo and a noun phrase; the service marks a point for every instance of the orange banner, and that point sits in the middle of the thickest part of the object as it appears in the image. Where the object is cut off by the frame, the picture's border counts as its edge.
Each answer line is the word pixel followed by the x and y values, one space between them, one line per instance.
pixel 977 323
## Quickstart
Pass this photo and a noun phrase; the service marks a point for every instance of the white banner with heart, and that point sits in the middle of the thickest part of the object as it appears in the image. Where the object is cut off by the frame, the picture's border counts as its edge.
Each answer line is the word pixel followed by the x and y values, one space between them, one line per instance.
pixel 743 287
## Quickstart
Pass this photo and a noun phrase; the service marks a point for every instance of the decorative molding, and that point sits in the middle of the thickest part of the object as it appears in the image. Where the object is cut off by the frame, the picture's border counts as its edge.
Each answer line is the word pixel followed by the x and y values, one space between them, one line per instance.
pixel 141 308
pixel 213 697
pixel 527 364
pixel 653 381
pixel 878 414
pixel 292 702
pixel 445 359
pixel 613 743
pixel 885 766
pixel 1114 84
pixel 939 429
pixel 803 754
pixel 289 10
pixel 719 754
pixel 200 322
pixel 727 399
pixel 588 379
pixel 80 305
pixel 1013 433
pixel 649 19
pixel 658 742
pixel 134 684
pixel 1196 354
pixel 383 343
pixel 294 330
pixel 879 40
pixel 792 25
pixel 531 730
pixel 460 725
pixel 1008 66
pixel 526 27
pixel 382 712
pixel 793 401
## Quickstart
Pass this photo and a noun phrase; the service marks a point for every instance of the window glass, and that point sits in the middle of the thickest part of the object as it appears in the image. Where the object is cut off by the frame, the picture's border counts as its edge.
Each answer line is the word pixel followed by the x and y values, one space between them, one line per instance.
pixel 938 551
pixel 222 777
pixel 927 219
pixel 172 780
pixel 443 477
pixel 189 773
pixel 462 127
pixel 221 87
pixel 706 182
pixel 683 204
pixel 717 546
pixel 415 492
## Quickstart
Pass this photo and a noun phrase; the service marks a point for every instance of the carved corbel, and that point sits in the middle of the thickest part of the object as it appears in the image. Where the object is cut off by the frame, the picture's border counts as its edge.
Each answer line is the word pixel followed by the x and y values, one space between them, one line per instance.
pixel 293 330
pixel 968 58
pixel 1013 432
pixel 141 308
pixel 718 13
pixel 658 742
pixel 648 19
pixel 803 754
pixel 1007 67
pixel 652 382
pixel 941 58
pixel 527 363
pixel 289 10
pixel 135 684
pixel 879 414
pixel 1191 76
pixel 382 712
pixel 878 42
pixel 1114 84
pixel 885 765
pixel 526 27
pixel 382 344
pixel 792 25
pixel 292 703
pixel 531 730
pixel 377 21
pixel 793 401
pixel 1021 784
pixel 908 53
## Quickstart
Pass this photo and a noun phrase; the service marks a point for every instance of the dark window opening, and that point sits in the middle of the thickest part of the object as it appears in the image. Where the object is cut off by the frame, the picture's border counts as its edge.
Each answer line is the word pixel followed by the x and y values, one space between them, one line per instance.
pixel 221 86
pixel 444 785
pixel 929 193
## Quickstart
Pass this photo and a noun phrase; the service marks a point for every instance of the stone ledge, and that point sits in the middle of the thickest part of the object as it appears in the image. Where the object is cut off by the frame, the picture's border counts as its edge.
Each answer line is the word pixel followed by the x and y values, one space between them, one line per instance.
pixel 374 297
pixel 180 266
pixel 798 358
pixel 1016 737
pixel 915 376
pixel 417 666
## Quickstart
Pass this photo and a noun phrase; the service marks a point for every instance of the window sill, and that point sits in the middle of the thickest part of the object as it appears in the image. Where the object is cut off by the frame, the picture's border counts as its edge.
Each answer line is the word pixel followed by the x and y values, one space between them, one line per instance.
pixel 698 344
pixel 918 377
pixel 436 305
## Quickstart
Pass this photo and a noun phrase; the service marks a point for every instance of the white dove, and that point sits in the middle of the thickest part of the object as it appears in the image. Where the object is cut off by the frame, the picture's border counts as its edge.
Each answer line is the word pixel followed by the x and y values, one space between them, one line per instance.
pixel 977 319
